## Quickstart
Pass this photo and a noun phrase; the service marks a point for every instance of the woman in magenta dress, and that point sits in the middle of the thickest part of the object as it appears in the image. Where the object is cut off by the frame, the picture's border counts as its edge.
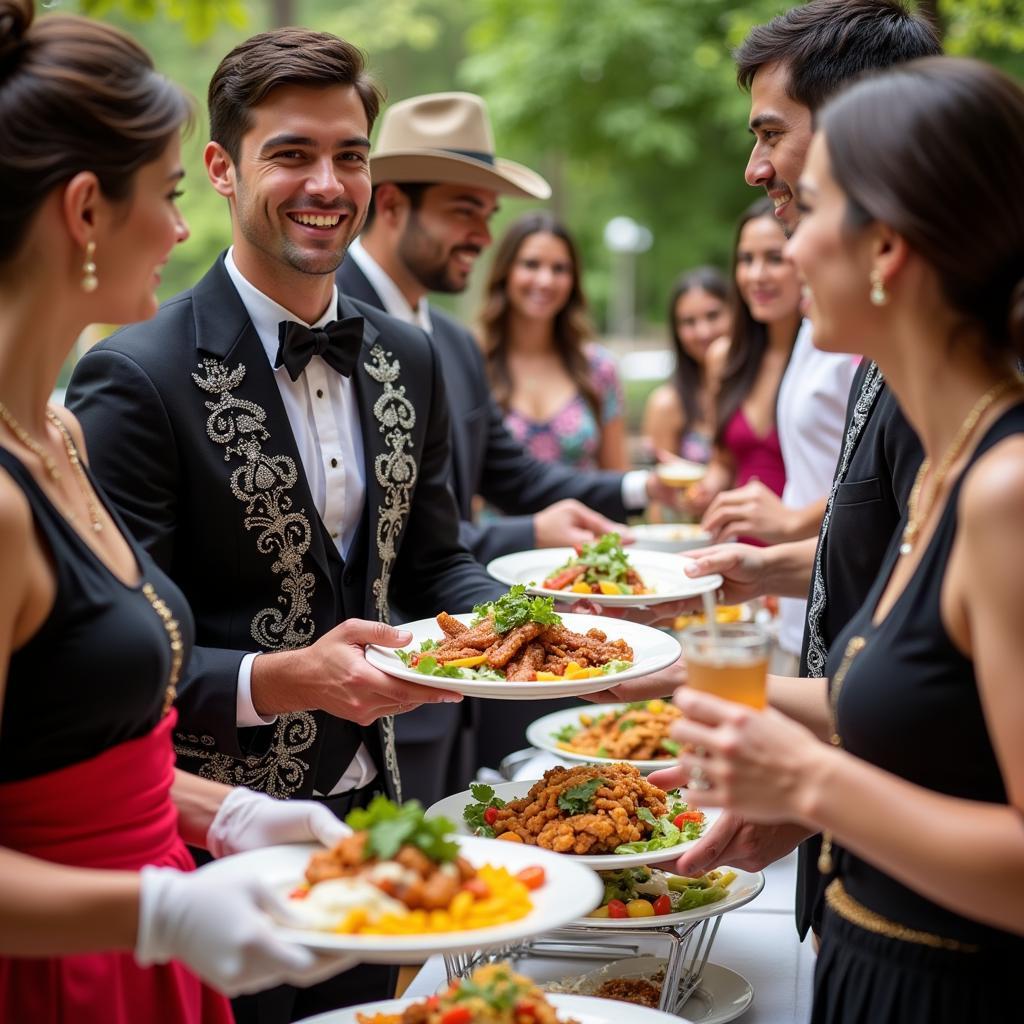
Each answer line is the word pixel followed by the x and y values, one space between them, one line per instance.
pixel 560 392
pixel 747 367
pixel 102 917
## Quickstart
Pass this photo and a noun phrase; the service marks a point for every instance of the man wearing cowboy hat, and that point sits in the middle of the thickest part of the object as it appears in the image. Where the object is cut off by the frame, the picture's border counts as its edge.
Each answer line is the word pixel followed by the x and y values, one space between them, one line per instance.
pixel 436 186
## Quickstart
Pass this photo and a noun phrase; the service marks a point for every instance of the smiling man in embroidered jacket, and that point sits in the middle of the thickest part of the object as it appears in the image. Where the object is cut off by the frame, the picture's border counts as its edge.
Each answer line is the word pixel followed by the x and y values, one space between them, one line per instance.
pixel 283 451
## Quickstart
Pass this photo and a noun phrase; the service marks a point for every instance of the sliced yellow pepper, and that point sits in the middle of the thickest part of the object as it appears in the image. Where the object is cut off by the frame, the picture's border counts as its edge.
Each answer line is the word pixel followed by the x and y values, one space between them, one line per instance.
pixel 547 677
pixel 607 587
pixel 573 666
pixel 656 707
pixel 583 673
pixel 477 659
pixel 580 588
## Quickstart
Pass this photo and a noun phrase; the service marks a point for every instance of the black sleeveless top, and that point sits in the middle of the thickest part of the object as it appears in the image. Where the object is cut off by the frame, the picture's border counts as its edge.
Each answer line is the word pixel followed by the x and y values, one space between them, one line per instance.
pixel 910 705
pixel 95 674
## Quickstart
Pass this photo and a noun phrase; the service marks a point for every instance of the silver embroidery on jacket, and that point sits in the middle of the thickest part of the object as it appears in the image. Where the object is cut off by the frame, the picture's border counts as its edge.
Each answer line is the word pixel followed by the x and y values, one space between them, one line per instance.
pixel 817 652
pixel 262 483
pixel 396 472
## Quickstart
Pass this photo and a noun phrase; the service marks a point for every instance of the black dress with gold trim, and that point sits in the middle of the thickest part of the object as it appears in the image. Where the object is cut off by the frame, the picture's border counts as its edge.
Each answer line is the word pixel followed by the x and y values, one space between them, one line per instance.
pixel 910 704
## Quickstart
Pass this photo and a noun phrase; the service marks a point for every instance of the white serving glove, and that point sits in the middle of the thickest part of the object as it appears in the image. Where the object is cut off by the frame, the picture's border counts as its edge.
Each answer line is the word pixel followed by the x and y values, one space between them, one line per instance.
pixel 217 927
pixel 249 821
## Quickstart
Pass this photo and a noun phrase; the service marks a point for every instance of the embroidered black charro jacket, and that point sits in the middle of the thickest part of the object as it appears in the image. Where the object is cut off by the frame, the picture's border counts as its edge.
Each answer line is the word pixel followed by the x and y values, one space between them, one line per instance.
pixel 187 433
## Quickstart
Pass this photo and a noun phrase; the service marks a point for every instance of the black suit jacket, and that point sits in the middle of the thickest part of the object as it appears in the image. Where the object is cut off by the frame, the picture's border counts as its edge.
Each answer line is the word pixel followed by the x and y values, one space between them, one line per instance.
pixel 188 435
pixel 486 458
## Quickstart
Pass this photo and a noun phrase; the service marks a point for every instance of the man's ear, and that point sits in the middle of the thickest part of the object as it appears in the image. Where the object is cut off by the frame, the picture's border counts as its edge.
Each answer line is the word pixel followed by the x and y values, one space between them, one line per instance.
pixel 391 204
pixel 220 169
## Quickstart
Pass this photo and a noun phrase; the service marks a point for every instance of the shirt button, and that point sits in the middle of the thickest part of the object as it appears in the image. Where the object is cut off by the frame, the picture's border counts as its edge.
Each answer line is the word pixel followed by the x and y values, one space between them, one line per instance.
pixel 319 393
pixel 334 534
pixel 334 463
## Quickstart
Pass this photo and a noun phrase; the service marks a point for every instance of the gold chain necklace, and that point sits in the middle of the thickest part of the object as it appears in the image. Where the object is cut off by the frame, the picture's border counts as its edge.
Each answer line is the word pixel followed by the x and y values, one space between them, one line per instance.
pixel 50 464
pixel 916 514
pixel 174 638
pixel 853 648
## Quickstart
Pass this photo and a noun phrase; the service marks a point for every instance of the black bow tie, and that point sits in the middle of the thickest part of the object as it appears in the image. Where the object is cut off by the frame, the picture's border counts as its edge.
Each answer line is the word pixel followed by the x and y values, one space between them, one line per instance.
pixel 338 342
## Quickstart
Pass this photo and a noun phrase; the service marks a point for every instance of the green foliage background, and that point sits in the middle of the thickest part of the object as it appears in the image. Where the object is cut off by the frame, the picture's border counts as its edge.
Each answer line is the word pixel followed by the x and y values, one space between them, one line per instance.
pixel 627 107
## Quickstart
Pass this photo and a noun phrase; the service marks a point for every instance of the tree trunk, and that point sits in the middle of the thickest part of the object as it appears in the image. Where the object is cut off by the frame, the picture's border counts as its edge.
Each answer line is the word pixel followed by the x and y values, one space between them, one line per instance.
pixel 282 13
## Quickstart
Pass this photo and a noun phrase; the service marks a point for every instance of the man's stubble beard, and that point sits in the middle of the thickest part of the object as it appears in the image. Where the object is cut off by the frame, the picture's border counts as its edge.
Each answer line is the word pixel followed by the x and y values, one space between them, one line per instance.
pixel 425 259
pixel 281 248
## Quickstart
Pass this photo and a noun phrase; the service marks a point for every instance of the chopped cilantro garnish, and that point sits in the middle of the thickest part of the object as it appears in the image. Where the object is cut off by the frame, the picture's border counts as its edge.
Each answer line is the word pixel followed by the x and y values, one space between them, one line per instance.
pixel 604 558
pixel 516 608
pixel 474 813
pixel 391 827
pixel 669 746
pixel 578 799
pixel 625 724
pixel 566 733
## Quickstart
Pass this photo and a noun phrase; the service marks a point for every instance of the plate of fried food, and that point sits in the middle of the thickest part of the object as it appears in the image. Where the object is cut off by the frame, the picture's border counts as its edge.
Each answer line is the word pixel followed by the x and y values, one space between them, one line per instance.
pixel 604 572
pixel 603 816
pixel 644 897
pixel 495 994
pixel 635 733
pixel 519 648
pixel 402 887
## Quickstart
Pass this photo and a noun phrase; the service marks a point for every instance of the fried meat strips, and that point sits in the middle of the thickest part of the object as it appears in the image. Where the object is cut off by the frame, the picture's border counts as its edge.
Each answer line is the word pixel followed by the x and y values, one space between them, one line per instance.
pixel 601 817
pixel 526 650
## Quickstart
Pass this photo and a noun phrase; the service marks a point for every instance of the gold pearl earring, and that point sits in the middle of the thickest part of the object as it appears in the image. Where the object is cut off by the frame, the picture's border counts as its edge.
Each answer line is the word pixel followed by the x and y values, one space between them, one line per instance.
pixel 879 296
pixel 90 282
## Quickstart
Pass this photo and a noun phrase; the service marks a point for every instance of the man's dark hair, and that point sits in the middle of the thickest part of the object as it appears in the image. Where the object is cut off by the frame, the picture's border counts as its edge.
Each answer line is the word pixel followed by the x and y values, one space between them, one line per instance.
pixel 825 43
pixel 413 189
pixel 286 56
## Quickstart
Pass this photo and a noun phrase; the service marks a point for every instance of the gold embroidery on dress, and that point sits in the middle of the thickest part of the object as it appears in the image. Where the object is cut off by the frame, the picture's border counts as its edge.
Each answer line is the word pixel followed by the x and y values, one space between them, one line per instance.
pixel 396 472
pixel 262 483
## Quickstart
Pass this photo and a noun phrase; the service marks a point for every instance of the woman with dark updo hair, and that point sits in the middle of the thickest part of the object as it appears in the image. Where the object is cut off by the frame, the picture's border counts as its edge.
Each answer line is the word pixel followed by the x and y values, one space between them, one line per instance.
pixel 911 246
pixel 103 919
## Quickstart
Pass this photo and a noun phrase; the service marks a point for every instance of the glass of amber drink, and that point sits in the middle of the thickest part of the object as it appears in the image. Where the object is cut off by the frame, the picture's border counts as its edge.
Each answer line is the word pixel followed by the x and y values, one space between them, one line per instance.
pixel 730 661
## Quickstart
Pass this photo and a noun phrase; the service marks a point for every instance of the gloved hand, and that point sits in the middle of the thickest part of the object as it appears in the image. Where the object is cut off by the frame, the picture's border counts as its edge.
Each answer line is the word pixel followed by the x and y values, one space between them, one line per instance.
pixel 218 929
pixel 250 821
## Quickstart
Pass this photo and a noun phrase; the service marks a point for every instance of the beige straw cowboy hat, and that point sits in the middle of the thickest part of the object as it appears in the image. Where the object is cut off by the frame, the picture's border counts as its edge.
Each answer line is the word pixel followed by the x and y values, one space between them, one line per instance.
pixel 446 138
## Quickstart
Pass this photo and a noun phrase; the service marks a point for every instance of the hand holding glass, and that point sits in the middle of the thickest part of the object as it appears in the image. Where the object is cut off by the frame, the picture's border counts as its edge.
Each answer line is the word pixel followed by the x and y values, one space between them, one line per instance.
pixel 729 660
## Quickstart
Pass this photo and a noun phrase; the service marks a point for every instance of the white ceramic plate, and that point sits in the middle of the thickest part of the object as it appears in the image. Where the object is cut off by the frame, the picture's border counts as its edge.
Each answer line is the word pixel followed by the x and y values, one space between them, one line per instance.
pixel 570 891
pixel 652 650
pixel 664 574
pixel 721 996
pixel 451 807
pixel 584 1009
pixel 670 537
pixel 745 887
pixel 541 734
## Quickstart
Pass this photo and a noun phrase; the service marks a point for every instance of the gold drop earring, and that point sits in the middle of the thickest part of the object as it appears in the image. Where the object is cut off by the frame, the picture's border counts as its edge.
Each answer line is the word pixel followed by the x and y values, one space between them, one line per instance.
pixel 879 296
pixel 90 282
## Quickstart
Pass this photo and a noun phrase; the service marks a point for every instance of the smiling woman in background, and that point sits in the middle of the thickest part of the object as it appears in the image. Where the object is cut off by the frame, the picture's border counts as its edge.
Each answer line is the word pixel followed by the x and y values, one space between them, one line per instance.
pixel 561 395
pixel 678 415
pixel 747 367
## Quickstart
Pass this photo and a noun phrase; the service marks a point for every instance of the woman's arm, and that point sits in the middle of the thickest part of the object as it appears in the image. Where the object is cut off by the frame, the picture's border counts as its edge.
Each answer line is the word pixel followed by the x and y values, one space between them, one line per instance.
pixel 198 801
pixel 612 454
pixel 663 422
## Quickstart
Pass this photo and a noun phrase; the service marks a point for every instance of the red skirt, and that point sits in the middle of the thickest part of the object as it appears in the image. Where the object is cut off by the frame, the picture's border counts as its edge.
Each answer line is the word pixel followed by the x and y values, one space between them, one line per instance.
pixel 113 811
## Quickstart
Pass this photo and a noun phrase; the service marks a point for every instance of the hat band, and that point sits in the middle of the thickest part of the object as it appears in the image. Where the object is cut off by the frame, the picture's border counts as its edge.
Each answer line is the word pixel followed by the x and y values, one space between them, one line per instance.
pixel 473 154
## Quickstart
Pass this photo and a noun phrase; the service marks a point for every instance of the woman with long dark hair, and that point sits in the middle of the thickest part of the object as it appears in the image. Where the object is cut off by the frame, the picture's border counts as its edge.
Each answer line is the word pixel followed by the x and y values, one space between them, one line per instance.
pixel 102 915
pixel 747 368
pixel 678 417
pixel 560 392
pixel 911 245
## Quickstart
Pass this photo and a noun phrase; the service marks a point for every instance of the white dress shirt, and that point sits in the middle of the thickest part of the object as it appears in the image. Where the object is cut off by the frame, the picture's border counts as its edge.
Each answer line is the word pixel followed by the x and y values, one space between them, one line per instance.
pixel 323 415
pixel 634 483
pixel 811 418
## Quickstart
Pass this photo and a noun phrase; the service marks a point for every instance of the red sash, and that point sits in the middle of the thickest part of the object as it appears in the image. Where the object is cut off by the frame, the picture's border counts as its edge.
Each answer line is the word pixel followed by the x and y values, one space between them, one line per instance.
pixel 112 811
